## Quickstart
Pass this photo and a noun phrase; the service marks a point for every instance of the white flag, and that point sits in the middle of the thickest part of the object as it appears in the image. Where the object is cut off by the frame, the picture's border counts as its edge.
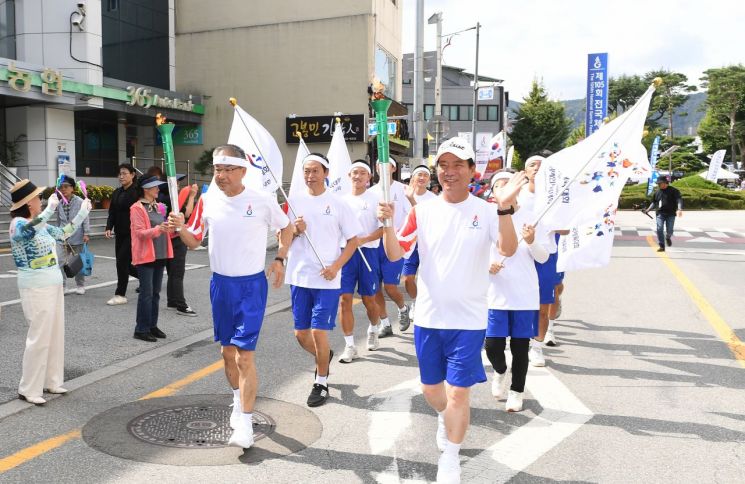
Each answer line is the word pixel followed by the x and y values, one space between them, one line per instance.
pixel 262 157
pixel 588 177
pixel 297 184
pixel 495 160
pixel 340 163
pixel 510 155
pixel 588 245
pixel 714 166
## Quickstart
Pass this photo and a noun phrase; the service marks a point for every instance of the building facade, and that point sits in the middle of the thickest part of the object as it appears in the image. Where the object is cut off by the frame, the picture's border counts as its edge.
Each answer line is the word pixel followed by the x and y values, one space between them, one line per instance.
pixel 292 65
pixel 81 83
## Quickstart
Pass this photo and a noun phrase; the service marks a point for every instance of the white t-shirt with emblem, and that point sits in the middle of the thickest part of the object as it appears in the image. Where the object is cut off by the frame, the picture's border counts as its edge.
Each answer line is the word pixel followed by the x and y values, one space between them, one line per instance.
pixel 328 219
pixel 237 228
pixel 401 204
pixel 365 207
pixel 427 195
pixel 454 241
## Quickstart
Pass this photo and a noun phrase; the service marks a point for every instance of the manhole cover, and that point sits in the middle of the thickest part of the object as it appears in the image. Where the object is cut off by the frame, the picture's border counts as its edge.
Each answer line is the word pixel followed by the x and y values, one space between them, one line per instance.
pixel 192 430
pixel 193 426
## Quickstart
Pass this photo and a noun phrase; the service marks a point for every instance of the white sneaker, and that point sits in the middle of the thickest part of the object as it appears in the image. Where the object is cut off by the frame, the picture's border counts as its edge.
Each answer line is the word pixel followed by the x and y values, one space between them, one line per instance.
pixel 349 354
pixel 242 437
pixel 498 384
pixel 117 300
pixel 235 416
pixel 373 342
pixel 549 339
pixel 442 433
pixel 448 469
pixel 514 402
pixel 536 353
pixel 80 290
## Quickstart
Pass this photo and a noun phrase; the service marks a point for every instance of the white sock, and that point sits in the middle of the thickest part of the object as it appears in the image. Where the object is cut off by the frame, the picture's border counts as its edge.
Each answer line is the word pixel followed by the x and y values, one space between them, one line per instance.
pixel 321 380
pixel 550 325
pixel 451 448
pixel 373 329
pixel 349 340
pixel 537 344
pixel 237 398
pixel 247 420
pixel 441 417
pixel 402 308
pixel 385 322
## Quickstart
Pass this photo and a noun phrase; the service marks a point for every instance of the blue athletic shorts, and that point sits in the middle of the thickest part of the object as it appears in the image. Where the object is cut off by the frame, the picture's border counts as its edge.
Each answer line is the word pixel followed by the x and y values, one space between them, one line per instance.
pixel 453 355
pixel 390 272
pixel 559 278
pixel 238 305
pixel 356 274
pixel 518 324
pixel 547 279
pixel 314 308
pixel 411 265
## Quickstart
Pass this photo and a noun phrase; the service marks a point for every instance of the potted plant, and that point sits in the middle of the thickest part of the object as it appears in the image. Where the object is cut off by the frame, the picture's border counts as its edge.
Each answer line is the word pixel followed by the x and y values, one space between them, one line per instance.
pixel 94 193
pixel 105 193
pixel 12 153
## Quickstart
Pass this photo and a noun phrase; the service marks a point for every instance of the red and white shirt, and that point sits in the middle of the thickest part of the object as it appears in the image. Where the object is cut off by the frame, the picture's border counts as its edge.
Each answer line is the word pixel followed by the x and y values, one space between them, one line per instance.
pixel 454 241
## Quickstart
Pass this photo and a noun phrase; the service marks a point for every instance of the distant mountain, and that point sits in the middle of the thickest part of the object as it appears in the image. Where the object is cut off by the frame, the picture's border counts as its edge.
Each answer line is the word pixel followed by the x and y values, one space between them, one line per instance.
pixel 685 121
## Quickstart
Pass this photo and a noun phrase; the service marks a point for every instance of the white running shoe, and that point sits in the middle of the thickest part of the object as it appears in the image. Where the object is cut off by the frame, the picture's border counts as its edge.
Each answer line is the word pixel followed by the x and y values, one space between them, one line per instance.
pixel 514 402
pixel 442 433
pixel 498 384
pixel 448 469
pixel 235 415
pixel 549 339
pixel 80 290
pixel 536 353
pixel 242 437
pixel 349 354
pixel 373 342
pixel 117 300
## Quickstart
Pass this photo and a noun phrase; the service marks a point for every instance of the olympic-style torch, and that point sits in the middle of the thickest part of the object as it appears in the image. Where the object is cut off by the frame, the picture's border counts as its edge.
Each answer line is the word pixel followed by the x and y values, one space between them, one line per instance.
pixel 380 105
pixel 166 135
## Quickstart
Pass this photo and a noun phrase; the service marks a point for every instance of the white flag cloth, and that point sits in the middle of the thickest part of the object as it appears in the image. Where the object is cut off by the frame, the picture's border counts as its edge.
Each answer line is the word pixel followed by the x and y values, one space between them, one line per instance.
pixel 510 155
pixel 588 245
pixel 576 185
pixel 495 161
pixel 257 174
pixel 297 184
pixel 340 163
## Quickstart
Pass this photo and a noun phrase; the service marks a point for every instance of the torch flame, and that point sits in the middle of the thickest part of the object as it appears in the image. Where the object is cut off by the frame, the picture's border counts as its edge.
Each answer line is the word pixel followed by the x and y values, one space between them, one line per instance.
pixel 159 119
pixel 377 88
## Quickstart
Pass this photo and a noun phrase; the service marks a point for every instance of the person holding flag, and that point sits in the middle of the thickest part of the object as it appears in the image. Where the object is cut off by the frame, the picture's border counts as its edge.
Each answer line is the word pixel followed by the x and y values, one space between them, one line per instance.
pixel 361 270
pixel 454 233
pixel 314 268
pixel 237 219
pixel 419 184
pixel 390 271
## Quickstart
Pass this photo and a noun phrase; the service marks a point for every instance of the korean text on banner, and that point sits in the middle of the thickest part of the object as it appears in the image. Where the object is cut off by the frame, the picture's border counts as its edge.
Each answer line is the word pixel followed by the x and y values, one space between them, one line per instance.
pixel 597 92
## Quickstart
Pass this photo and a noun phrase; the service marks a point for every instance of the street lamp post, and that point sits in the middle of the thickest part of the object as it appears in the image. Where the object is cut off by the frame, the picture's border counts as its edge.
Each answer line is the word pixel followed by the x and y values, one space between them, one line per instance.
pixel 436 18
pixel 475 89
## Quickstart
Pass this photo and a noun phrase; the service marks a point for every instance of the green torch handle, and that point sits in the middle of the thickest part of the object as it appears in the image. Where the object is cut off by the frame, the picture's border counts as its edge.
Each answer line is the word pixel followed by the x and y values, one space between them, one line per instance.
pixel 380 107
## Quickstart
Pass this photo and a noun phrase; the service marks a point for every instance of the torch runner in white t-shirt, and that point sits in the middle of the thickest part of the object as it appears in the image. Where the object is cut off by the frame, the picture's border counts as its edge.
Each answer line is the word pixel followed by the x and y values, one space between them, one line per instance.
pixel 237 220
pixel 454 233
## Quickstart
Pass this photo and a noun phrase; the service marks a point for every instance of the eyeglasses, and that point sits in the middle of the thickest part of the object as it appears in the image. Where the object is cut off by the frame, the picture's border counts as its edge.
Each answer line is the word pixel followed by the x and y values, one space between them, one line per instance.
pixel 221 170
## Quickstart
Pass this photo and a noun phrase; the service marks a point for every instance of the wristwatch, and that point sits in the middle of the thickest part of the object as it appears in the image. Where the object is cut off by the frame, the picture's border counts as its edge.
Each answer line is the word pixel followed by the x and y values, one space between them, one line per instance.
pixel 281 259
pixel 509 211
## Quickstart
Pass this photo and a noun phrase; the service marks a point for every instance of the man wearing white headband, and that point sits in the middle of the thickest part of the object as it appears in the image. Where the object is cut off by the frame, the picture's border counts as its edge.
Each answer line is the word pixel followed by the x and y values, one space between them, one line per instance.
pixel 454 233
pixel 419 183
pixel 356 273
pixel 237 219
pixel 323 219
pixel 390 272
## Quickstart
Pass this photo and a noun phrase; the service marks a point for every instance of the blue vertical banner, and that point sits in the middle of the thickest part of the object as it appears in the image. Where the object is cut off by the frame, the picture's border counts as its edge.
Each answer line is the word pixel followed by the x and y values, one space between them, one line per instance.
pixel 653 162
pixel 597 92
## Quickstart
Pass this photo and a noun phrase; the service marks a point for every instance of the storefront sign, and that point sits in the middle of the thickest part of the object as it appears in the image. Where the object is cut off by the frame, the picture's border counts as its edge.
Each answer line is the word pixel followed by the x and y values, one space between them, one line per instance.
pixel 318 129
pixel 185 135
pixel 143 97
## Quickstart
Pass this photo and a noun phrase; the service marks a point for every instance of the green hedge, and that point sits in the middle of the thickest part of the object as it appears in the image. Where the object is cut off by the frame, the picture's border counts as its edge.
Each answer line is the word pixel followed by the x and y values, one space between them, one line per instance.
pixel 697 193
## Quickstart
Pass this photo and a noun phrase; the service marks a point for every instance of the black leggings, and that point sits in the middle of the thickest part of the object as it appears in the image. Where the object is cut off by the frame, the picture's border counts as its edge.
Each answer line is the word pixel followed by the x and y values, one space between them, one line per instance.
pixel 519 347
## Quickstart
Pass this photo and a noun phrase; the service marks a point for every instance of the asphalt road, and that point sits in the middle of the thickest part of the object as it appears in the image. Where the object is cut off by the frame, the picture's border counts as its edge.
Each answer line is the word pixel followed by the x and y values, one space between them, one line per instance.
pixel 642 388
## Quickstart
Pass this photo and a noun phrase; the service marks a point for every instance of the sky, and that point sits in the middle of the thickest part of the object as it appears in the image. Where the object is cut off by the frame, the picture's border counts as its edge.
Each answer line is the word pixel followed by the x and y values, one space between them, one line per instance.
pixel 522 40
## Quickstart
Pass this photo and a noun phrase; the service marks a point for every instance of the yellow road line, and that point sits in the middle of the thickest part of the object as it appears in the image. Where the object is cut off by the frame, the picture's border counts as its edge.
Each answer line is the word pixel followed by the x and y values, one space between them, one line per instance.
pixel 34 451
pixel 736 346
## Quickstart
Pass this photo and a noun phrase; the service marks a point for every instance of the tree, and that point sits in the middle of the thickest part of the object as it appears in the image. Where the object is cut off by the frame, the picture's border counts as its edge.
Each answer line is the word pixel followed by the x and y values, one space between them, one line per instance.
pixel 624 91
pixel 714 133
pixel 577 135
pixel 726 104
pixel 541 124
pixel 669 96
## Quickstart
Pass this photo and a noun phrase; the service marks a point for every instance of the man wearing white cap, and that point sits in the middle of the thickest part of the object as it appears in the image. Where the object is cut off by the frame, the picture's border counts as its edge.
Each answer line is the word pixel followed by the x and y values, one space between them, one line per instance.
pixel 390 271
pixel 358 272
pixel 419 183
pixel 237 220
pixel 323 219
pixel 454 233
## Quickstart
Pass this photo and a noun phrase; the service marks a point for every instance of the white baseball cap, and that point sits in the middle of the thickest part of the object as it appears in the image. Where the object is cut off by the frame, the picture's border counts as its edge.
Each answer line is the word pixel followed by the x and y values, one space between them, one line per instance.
pixel 458 147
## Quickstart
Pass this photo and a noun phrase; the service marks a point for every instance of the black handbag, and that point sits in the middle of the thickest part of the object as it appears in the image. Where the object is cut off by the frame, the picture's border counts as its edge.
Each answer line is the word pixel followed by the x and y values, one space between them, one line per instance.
pixel 73 265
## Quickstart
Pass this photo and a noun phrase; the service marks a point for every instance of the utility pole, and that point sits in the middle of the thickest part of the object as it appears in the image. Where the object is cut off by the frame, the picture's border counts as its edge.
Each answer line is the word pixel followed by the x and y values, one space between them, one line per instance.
pixel 419 85
pixel 437 19
pixel 475 90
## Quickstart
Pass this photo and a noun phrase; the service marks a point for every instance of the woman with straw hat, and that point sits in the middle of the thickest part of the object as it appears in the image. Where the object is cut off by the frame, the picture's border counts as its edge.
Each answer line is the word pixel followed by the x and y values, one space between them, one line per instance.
pixel 33 244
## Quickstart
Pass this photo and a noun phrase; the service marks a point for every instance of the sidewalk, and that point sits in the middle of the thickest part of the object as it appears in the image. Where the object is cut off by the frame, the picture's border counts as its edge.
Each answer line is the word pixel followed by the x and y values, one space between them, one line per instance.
pixel 722 220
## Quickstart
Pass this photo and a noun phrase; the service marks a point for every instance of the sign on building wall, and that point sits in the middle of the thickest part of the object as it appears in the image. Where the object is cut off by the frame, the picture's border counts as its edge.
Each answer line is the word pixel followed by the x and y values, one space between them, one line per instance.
pixel 318 129
pixel 185 135
pixel 597 92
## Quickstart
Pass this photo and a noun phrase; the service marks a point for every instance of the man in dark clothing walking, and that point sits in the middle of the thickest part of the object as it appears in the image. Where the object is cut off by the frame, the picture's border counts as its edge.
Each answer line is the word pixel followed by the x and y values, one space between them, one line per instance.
pixel 668 202
pixel 118 222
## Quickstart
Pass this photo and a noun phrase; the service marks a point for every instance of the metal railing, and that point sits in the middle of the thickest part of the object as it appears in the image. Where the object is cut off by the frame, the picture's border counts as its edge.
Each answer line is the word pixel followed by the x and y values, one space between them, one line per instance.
pixel 7 180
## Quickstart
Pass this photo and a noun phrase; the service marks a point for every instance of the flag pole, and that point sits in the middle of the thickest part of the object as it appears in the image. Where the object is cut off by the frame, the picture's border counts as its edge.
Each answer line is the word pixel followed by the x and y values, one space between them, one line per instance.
pixel 234 102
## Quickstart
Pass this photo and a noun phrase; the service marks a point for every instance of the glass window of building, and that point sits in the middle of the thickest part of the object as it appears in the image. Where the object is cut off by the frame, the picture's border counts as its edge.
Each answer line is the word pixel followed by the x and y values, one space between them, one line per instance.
pixel 135 41
pixel 493 113
pixel 8 29
pixel 386 70
pixel 429 111
pixel 96 144
pixel 466 113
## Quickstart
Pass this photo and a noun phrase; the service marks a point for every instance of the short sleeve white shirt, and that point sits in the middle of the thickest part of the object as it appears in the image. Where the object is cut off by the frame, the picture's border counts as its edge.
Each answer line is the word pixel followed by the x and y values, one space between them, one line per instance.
pixel 328 219
pixel 365 207
pixel 454 241
pixel 238 227
pixel 427 195
pixel 401 204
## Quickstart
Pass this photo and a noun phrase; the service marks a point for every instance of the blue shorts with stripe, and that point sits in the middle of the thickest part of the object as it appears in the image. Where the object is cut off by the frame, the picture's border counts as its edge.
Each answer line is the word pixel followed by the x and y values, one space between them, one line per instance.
pixel 452 355
pixel 356 274
pixel 314 308
pixel 390 272
pixel 547 278
pixel 515 323
pixel 411 265
pixel 238 305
